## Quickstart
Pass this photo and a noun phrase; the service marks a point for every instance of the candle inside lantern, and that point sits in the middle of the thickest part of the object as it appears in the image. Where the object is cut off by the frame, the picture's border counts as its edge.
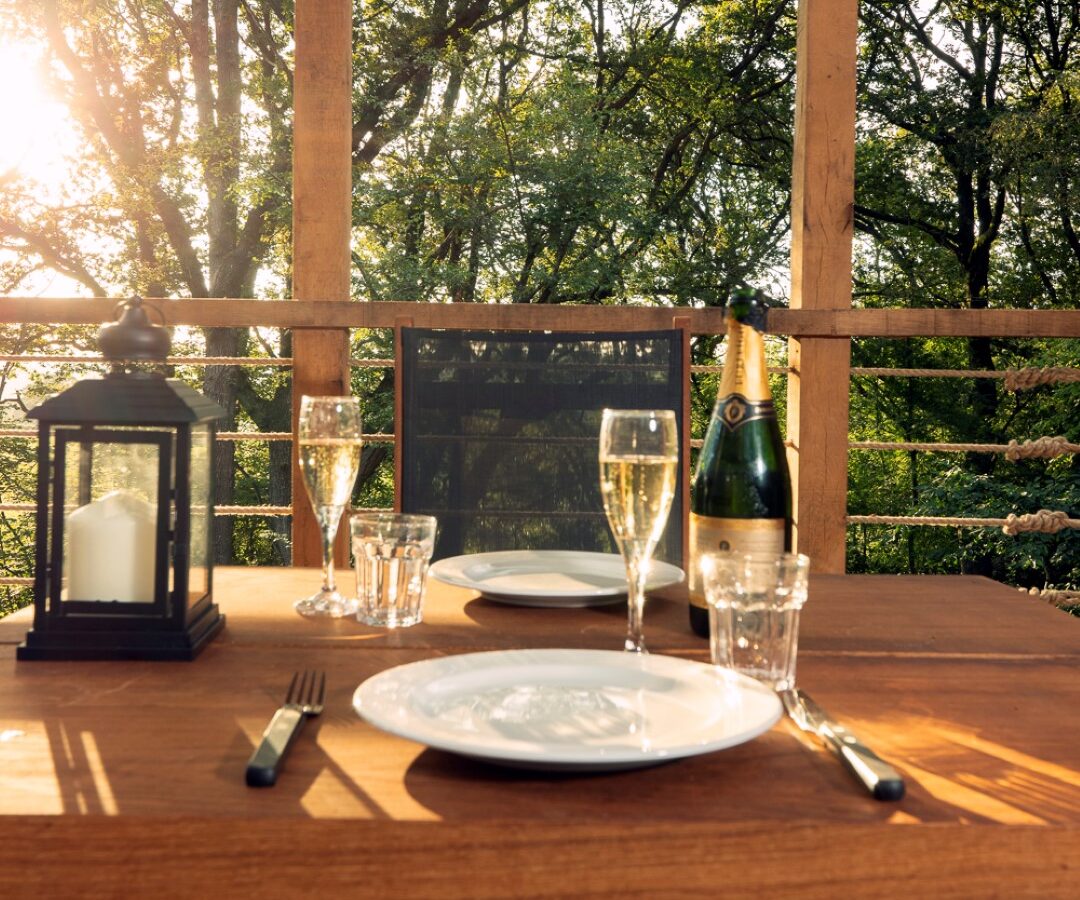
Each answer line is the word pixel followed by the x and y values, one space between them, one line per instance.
pixel 111 549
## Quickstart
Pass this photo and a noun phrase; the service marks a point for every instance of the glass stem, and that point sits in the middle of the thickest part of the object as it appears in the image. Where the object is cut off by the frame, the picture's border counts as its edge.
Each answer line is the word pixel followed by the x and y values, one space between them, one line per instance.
pixel 636 572
pixel 328 534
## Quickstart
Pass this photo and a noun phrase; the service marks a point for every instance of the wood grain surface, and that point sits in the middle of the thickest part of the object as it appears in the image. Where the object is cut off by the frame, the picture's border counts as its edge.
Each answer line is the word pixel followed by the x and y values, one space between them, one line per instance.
pixel 111 772
pixel 330 312
pixel 322 223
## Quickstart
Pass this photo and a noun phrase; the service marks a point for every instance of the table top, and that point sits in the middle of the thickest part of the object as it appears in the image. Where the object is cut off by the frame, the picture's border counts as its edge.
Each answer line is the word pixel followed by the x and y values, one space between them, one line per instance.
pixel 968 687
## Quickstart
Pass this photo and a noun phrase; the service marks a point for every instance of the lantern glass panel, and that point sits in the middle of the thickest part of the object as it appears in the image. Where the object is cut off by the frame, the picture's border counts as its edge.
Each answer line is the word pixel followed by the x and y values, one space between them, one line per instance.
pixel 199 577
pixel 111 512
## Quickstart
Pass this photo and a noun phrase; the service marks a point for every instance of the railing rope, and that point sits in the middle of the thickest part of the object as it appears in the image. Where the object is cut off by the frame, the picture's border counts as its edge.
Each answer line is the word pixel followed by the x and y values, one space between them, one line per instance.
pixel 1054 597
pixel 376 437
pixel 360 363
pixel 1044 521
pixel 884 372
pixel 1039 448
pixel 1023 379
pixel 1015 379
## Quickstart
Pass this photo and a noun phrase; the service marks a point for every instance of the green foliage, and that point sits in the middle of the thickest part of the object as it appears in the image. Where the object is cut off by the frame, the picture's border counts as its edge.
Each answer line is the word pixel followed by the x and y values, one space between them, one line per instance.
pixel 645 162
pixel 631 151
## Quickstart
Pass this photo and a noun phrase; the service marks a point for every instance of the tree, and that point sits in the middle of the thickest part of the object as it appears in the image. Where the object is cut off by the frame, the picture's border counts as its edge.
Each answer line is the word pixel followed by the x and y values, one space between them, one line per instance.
pixel 965 192
pixel 189 185
pixel 612 152
pixel 545 151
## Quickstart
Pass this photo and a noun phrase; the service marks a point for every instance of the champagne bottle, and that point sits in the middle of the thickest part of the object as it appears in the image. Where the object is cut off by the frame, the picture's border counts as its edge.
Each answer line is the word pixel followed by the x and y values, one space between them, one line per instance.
pixel 741 495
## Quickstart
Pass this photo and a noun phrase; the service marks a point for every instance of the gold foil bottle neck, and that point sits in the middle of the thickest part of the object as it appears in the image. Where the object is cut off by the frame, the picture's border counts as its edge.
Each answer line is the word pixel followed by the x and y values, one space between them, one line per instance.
pixel 745 372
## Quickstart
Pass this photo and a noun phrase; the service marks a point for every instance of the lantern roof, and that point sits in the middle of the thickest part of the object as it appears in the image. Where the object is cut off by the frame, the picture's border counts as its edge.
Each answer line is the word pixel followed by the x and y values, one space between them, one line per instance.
pixel 128 400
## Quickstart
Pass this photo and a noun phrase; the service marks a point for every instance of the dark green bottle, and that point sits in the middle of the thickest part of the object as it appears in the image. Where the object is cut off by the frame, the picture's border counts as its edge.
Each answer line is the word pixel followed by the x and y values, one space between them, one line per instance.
pixel 741 494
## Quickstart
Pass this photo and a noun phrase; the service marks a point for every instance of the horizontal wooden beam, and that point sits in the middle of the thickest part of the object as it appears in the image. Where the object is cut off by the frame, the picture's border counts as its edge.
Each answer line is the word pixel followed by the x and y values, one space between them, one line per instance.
pixel 894 323
pixel 902 323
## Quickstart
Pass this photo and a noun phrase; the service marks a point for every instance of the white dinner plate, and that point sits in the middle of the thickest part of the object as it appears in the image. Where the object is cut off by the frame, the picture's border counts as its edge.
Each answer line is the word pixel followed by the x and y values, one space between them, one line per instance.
pixel 573 710
pixel 550 578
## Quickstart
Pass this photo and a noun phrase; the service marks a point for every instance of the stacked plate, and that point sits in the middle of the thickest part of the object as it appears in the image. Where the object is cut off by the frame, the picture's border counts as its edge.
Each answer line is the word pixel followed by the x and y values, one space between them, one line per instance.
pixel 548 578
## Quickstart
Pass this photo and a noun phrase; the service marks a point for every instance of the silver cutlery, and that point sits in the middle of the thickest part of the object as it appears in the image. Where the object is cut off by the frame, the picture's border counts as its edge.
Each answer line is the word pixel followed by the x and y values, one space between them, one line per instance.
pixel 881 779
pixel 303 700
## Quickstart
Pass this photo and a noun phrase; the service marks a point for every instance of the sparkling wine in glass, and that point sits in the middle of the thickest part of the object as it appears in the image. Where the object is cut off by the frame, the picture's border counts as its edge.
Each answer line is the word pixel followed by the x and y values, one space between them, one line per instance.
pixel 328 440
pixel 639 457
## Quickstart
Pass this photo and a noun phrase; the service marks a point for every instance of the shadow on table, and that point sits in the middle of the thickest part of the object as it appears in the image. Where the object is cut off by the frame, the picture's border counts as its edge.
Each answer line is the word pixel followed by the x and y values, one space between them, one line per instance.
pixel 596 627
pixel 720 786
pixel 100 770
pixel 730 785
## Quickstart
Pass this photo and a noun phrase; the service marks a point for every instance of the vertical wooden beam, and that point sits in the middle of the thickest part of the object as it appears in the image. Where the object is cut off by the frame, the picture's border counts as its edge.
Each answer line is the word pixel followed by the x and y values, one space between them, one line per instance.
pixel 322 199
pixel 400 323
pixel 822 211
pixel 682 323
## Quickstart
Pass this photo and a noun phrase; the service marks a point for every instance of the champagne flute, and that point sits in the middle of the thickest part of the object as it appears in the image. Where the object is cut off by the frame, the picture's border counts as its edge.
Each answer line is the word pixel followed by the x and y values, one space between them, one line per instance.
pixel 328 439
pixel 639 455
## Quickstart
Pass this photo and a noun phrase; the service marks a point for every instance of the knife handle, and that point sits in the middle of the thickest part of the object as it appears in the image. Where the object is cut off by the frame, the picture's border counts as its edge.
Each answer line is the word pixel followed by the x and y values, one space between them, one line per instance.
pixel 265 762
pixel 881 779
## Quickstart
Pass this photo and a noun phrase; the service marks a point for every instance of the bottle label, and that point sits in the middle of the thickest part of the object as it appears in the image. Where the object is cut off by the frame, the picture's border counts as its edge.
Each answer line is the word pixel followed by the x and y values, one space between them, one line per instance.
pixel 710 533
pixel 735 410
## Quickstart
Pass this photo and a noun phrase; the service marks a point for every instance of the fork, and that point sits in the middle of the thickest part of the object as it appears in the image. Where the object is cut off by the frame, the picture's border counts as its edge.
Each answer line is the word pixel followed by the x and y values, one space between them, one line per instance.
pixel 302 700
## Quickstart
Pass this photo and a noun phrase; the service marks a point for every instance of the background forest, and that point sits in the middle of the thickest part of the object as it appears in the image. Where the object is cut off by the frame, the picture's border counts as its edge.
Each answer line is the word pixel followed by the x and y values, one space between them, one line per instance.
pixel 563 151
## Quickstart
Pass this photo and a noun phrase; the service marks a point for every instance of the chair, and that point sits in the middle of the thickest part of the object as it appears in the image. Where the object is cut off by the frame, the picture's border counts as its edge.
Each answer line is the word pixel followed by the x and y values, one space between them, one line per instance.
pixel 498 431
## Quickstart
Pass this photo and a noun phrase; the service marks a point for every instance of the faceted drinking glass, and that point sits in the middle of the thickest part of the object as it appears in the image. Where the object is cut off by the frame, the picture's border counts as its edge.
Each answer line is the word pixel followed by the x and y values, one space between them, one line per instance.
pixel 391 553
pixel 754 602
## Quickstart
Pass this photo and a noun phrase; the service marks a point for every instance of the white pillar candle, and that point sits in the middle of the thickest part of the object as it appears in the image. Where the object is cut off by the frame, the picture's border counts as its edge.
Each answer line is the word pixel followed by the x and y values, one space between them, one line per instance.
pixel 111 549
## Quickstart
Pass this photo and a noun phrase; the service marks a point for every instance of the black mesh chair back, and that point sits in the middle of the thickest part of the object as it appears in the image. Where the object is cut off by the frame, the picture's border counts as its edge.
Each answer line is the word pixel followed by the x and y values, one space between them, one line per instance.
pixel 498 432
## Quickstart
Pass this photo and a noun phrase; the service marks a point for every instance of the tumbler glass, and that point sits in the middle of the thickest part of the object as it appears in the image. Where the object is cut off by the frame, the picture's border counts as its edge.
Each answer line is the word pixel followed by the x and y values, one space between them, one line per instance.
pixel 754 602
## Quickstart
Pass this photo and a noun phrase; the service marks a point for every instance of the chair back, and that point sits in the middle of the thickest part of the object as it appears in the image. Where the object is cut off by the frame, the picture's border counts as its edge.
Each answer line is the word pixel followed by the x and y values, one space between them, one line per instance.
pixel 498 432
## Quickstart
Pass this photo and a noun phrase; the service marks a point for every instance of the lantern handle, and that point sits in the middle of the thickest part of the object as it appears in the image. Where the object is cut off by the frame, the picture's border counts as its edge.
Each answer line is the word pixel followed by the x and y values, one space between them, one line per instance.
pixel 133 337
pixel 140 302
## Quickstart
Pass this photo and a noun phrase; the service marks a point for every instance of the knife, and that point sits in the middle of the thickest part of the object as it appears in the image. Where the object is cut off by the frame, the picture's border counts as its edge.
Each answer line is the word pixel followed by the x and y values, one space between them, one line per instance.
pixel 881 779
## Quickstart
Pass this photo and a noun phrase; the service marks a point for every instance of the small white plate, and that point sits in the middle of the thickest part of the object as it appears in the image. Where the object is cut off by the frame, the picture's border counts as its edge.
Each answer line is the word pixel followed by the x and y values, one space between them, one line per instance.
pixel 549 578
pixel 569 710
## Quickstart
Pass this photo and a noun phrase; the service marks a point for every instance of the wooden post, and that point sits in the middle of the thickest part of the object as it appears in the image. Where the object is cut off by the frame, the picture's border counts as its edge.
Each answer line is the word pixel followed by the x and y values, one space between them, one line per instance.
pixel 822 209
pixel 682 323
pixel 400 323
pixel 322 199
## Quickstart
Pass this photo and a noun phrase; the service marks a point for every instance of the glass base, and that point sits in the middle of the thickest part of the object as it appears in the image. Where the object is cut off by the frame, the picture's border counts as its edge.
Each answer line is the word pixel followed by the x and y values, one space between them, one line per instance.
pixel 323 603
pixel 381 617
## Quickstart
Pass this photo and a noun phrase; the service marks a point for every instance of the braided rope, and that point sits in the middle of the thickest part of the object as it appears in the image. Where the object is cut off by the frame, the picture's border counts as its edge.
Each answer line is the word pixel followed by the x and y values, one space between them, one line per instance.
pixel 926 373
pixel 1023 379
pixel 261 510
pixel 943 448
pixel 283 361
pixel 1040 448
pixel 1044 522
pixel 253 510
pixel 372 438
pixel 1057 598
pixel 1015 379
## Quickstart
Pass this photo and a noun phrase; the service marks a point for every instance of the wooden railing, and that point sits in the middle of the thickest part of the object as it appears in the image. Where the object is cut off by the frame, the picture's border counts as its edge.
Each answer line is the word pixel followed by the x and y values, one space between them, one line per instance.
pixel 820 505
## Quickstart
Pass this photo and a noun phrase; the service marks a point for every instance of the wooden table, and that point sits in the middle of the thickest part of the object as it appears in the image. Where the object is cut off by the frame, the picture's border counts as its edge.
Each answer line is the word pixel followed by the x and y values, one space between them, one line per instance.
pixel 127 778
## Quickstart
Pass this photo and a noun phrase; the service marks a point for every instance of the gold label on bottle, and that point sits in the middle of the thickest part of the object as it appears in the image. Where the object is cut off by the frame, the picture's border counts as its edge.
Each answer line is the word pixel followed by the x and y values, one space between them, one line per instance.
pixel 711 533
pixel 735 410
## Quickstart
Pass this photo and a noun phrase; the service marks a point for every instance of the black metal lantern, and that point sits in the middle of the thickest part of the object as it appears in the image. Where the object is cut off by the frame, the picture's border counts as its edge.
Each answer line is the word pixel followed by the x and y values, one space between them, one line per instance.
pixel 125 509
